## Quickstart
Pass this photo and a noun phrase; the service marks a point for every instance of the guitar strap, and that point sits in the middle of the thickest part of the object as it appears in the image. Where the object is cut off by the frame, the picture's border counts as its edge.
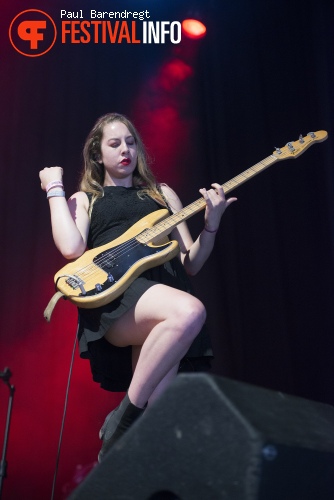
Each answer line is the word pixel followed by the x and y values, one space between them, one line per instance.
pixel 158 186
pixel 51 305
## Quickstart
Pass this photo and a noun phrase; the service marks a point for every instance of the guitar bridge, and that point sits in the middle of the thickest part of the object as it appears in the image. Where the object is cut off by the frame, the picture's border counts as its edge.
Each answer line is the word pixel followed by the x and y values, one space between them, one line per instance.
pixel 75 282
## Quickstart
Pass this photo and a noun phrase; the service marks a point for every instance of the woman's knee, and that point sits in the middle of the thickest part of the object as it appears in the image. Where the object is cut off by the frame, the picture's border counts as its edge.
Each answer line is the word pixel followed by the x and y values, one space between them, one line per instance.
pixel 190 312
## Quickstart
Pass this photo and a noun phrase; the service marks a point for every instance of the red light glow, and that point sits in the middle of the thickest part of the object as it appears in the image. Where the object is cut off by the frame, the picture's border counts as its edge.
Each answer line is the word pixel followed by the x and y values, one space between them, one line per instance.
pixel 193 29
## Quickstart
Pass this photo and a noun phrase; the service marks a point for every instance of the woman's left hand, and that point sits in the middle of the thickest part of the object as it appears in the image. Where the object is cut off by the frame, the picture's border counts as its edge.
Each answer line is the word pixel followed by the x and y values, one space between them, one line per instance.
pixel 216 204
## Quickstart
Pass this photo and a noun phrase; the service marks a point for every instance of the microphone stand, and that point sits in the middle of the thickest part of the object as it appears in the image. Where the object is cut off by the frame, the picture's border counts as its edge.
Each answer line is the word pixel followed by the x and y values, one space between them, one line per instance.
pixel 5 376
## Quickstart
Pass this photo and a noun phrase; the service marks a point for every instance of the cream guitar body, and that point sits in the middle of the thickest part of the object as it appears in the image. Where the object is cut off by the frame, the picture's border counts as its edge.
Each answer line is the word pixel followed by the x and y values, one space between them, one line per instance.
pixel 102 274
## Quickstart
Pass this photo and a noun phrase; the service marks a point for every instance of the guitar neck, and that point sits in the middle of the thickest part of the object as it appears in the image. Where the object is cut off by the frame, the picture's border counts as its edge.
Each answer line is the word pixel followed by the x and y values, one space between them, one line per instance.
pixel 164 227
pixel 249 173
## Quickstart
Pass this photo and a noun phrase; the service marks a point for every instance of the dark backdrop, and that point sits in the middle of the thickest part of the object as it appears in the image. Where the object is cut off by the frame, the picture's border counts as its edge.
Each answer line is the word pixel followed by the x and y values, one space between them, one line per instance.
pixel 207 110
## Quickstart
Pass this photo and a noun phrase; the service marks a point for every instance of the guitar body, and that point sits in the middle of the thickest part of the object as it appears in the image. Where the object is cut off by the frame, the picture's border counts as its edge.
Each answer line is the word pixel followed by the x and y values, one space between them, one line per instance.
pixel 102 274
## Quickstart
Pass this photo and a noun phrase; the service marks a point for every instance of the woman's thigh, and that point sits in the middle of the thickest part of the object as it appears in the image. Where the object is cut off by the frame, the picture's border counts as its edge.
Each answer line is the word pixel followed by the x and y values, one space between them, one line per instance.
pixel 157 304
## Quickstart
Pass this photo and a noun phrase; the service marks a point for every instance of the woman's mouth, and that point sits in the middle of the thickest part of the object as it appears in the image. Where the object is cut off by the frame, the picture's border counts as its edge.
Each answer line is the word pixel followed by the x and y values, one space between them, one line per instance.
pixel 126 161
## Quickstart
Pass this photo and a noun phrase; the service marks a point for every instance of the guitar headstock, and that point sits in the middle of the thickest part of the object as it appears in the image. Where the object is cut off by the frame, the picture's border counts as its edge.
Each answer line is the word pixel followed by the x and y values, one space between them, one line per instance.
pixel 296 148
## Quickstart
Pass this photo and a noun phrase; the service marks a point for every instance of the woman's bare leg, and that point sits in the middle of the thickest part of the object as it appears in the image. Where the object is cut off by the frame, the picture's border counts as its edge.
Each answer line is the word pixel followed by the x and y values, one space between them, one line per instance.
pixel 169 377
pixel 164 322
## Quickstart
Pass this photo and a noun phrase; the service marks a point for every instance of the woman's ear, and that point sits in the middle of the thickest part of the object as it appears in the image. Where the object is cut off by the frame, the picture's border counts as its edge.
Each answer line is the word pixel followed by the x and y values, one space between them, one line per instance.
pixel 96 152
pixel 97 158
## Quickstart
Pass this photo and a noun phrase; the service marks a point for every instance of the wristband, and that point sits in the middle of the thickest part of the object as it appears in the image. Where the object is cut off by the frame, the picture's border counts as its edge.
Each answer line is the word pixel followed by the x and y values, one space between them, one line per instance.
pixel 54 184
pixel 209 231
pixel 55 192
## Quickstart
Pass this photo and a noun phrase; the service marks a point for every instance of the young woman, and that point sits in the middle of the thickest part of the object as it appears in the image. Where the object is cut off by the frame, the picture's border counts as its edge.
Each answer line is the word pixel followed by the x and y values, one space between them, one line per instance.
pixel 136 342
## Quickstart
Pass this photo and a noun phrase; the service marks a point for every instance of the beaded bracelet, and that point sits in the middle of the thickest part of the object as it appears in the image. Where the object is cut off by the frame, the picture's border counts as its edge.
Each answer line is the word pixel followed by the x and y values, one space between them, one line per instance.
pixel 53 184
pixel 55 192
pixel 209 231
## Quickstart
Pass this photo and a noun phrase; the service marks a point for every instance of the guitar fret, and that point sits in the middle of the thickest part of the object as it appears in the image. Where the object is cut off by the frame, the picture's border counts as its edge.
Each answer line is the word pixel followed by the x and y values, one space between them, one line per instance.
pixel 248 174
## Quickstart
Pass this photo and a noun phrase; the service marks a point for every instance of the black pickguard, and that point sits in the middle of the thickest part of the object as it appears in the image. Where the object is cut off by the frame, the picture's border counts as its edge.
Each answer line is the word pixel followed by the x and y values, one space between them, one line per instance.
pixel 118 260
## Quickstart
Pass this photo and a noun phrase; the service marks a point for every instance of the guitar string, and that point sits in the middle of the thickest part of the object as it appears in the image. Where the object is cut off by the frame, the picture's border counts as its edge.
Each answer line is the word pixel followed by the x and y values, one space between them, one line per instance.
pixel 90 270
pixel 110 254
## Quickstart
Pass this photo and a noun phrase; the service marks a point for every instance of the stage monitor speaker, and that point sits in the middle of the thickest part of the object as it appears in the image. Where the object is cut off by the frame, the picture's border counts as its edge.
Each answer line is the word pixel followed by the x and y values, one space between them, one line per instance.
pixel 211 438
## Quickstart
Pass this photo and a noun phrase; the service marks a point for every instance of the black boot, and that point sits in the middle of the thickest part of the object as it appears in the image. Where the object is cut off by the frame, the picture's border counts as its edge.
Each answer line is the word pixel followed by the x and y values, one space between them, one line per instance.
pixel 117 423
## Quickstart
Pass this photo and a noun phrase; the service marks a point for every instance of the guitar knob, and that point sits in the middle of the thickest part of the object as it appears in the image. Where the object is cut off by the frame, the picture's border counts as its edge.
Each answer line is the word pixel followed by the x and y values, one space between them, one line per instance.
pixel 98 287
pixel 110 278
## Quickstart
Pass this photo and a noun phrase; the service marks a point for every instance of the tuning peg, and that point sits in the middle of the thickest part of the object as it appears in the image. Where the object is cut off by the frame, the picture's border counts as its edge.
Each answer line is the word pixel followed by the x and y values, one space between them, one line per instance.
pixel 301 139
pixel 311 134
pixel 278 151
pixel 290 146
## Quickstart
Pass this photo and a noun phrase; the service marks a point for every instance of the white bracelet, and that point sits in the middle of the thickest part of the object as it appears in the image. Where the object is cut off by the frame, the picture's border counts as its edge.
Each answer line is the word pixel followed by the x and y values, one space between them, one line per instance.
pixel 55 192
pixel 53 184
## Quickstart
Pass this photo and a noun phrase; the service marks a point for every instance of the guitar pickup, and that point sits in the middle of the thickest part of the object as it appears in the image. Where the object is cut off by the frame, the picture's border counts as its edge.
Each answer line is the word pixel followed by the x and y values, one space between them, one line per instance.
pixel 105 260
pixel 109 263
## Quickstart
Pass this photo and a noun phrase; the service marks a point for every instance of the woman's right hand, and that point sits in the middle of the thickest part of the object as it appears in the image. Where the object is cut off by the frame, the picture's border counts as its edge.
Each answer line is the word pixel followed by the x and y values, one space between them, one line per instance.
pixel 50 174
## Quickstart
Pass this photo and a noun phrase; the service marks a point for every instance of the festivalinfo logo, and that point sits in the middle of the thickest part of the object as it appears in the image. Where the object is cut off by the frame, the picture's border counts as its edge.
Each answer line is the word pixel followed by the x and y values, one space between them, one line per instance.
pixel 33 32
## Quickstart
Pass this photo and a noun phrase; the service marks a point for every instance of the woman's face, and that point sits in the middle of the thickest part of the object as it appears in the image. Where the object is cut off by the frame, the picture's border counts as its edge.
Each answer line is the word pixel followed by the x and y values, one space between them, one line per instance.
pixel 118 152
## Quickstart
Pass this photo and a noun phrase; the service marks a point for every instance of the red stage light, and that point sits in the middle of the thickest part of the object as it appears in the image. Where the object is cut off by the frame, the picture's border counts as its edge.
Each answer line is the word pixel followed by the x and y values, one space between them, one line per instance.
pixel 193 28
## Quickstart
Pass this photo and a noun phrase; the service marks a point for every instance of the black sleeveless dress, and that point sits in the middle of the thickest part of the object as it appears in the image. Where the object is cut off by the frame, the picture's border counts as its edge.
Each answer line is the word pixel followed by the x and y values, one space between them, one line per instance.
pixel 112 215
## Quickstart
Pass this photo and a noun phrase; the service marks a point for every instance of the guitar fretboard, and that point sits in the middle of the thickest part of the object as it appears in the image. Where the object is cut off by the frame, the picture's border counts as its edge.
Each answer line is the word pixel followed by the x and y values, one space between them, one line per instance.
pixel 166 225
pixel 249 173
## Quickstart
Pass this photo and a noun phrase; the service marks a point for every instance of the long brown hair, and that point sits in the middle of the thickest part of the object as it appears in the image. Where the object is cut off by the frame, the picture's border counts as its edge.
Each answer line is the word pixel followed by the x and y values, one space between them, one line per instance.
pixel 92 176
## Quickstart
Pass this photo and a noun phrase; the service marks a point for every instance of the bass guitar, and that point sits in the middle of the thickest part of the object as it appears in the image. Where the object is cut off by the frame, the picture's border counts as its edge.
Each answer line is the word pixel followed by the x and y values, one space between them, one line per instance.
pixel 102 274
